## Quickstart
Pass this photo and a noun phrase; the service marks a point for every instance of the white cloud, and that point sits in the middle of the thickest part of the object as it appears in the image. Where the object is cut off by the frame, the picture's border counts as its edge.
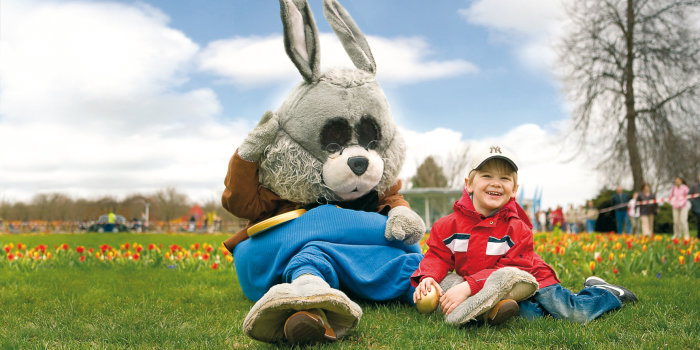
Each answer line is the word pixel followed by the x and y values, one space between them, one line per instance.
pixel 531 27
pixel 542 155
pixel 255 61
pixel 89 104
pixel 419 145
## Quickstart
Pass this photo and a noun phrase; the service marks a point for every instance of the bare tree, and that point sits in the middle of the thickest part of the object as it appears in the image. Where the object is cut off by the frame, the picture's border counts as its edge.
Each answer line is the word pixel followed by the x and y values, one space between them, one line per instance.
pixel 631 68
pixel 169 204
pixel 454 165
pixel 107 204
pixel 134 206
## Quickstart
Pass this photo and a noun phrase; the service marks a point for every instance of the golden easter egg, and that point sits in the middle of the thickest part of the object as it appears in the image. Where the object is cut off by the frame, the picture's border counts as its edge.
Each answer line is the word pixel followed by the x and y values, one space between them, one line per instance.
pixel 428 303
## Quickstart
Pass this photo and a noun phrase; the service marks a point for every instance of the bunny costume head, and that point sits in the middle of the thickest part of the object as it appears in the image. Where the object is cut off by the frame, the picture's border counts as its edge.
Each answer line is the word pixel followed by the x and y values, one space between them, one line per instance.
pixel 336 138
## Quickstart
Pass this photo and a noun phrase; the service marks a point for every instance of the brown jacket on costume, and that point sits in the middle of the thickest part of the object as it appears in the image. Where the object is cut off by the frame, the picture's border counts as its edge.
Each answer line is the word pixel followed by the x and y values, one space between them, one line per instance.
pixel 246 198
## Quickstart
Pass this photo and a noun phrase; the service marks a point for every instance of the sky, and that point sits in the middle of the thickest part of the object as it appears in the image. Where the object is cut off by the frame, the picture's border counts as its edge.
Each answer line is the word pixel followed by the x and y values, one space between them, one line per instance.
pixel 123 97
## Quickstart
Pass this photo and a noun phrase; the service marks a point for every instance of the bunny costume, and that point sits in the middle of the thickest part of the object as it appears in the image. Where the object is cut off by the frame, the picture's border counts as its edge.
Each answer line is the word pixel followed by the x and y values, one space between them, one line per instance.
pixel 333 148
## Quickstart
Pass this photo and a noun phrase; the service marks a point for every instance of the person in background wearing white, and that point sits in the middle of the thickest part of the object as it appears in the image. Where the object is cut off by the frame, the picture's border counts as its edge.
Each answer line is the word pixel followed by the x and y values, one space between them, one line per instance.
pixel 633 213
pixel 570 219
pixel 542 218
pixel 680 205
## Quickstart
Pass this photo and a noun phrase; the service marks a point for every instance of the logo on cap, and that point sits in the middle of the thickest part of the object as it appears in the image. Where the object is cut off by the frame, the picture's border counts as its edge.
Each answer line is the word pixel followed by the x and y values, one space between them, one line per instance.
pixel 495 149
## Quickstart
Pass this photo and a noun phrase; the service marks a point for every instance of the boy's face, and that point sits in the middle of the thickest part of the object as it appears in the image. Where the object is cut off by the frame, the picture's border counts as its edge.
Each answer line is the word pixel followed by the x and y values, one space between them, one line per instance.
pixel 491 190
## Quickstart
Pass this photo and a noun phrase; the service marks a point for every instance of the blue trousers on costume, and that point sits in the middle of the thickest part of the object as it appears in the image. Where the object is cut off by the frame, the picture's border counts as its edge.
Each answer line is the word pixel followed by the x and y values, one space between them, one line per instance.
pixel 345 247
pixel 622 220
pixel 561 303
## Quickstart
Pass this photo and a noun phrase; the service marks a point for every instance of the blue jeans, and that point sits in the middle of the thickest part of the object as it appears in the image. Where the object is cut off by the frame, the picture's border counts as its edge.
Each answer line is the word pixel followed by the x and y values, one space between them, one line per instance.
pixel 561 303
pixel 622 220
pixel 590 225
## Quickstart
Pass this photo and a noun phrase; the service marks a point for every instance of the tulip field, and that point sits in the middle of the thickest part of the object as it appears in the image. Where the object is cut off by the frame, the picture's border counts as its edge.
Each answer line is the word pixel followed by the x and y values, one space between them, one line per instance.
pixel 180 291
pixel 572 256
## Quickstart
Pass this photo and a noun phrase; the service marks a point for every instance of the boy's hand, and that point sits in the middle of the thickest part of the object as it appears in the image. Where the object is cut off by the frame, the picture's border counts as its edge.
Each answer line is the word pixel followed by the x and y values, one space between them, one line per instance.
pixel 454 296
pixel 424 287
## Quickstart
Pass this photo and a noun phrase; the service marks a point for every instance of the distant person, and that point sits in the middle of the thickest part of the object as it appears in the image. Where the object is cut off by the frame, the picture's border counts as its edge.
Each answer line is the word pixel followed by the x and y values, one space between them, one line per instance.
pixel 558 218
pixel 499 236
pixel 680 205
pixel 621 218
pixel 570 219
pixel 111 220
pixel 193 223
pixel 136 224
pixel 542 219
pixel 591 214
pixel 696 202
pixel 647 211
pixel 634 215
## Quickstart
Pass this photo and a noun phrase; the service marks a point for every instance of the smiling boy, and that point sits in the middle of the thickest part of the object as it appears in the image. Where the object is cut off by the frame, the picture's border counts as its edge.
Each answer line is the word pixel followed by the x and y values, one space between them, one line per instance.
pixel 487 231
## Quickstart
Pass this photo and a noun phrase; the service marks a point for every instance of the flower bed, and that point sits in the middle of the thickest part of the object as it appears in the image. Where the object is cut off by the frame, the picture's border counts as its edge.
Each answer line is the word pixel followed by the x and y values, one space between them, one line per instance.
pixel 572 256
pixel 174 256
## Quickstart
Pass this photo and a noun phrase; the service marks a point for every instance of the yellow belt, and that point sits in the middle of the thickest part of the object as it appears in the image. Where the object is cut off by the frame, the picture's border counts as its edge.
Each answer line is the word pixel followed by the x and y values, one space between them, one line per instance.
pixel 274 221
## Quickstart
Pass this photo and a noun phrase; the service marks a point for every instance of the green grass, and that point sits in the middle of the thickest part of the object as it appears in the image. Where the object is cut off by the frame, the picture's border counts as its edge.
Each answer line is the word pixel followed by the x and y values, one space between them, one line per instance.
pixel 113 239
pixel 123 306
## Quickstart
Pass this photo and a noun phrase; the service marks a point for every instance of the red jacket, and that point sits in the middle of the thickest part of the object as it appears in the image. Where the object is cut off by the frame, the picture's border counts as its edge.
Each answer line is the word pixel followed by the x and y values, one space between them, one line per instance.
pixel 475 246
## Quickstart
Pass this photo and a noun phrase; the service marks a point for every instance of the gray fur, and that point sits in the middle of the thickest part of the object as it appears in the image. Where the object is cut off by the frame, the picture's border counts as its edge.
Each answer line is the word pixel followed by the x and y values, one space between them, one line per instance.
pixel 404 225
pixel 451 280
pixel 292 173
pixel 350 36
pixel 291 165
pixel 259 138
pixel 301 38
pixel 343 93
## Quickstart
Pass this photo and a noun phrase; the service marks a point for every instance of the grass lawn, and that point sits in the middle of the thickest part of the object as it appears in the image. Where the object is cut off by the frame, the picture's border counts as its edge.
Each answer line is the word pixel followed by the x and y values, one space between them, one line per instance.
pixel 129 306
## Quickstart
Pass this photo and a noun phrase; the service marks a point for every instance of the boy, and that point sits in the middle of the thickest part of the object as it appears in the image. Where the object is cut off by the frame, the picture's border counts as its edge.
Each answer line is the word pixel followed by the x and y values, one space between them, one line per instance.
pixel 487 231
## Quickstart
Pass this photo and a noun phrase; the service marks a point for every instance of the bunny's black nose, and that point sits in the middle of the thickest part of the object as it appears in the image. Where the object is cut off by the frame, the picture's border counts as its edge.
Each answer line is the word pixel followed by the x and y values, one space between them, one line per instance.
pixel 358 165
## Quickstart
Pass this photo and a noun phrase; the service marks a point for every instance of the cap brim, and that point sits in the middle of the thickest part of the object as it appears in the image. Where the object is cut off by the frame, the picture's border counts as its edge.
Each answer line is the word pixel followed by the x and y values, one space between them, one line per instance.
pixel 500 157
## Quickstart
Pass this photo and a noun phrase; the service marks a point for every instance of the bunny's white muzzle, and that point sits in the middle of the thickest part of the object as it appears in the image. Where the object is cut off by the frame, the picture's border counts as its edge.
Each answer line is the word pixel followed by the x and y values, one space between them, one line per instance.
pixel 352 172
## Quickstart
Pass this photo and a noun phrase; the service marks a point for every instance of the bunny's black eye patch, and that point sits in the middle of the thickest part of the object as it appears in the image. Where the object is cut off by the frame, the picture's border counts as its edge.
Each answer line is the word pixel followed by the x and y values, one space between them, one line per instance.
pixel 336 133
pixel 367 132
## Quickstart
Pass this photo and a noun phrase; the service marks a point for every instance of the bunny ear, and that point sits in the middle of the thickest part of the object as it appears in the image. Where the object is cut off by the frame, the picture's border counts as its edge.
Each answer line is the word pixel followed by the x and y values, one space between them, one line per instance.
pixel 350 35
pixel 301 37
